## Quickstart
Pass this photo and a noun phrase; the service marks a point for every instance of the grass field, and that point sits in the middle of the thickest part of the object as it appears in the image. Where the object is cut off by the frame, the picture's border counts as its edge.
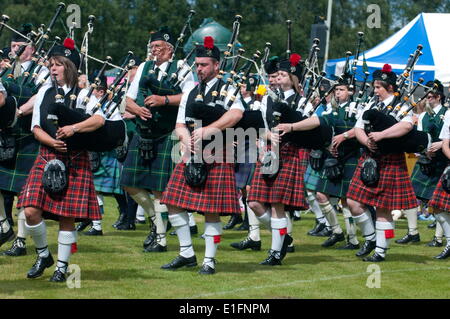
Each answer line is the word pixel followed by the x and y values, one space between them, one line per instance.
pixel 114 266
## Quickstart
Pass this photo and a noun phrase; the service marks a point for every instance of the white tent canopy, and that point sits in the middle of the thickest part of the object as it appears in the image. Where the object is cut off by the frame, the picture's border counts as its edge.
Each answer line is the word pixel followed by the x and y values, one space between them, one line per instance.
pixel 428 29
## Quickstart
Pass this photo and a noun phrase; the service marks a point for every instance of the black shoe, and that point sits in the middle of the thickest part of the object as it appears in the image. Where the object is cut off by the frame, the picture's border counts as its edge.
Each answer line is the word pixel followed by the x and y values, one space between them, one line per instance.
pixel 151 237
pixel 272 259
pixel 207 270
pixel 435 243
pixel 408 238
pixel 296 218
pixel 126 226
pixel 325 232
pixel 179 262
pixel 10 221
pixel 93 232
pixel 333 239
pixel 120 220
pixel 349 246
pixel 290 249
pixel 367 248
pixel 82 226
pixel 317 228
pixel 5 237
pixel 374 258
pixel 39 266
pixel 234 220
pixel 432 225
pixel 18 248
pixel 194 230
pixel 286 242
pixel 58 276
pixel 155 248
pixel 247 243
pixel 140 221
pixel 445 253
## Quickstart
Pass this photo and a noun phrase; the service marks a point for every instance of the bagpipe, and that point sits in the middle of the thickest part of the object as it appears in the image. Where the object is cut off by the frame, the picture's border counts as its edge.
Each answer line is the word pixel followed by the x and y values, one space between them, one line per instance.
pixel 106 138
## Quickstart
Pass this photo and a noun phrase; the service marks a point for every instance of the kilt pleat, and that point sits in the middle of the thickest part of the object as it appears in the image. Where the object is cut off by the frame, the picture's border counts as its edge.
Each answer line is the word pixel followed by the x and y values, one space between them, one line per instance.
pixel 288 186
pixel 107 177
pixel 425 185
pixel 79 200
pixel 151 175
pixel 394 189
pixel 217 196
pixel 440 198
pixel 13 175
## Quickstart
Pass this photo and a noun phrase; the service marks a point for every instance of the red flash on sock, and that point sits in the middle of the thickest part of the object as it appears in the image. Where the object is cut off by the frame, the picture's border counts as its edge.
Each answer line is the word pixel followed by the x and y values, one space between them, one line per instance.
pixel 389 233
pixel 73 248
pixel 217 239
pixel 283 231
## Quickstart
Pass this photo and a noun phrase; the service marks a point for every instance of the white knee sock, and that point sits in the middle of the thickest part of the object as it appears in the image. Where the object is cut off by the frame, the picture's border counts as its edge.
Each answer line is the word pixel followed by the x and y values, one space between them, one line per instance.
pixel 21 229
pixel 144 199
pixel 411 215
pixel 100 199
pixel 279 230
pixel 439 233
pixel 385 231
pixel 161 222
pixel 253 225
pixel 444 220
pixel 330 214
pixel 212 240
pixel 265 218
pixel 181 223
pixel 315 208
pixel 350 226
pixel 140 213
pixel 365 223
pixel 191 220
pixel 66 246
pixel 39 234
pixel 5 224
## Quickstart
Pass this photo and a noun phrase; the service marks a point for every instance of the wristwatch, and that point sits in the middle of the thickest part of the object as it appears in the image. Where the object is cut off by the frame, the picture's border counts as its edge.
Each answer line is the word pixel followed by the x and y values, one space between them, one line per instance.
pixel 166 101
pixel 19 113
pixel 345 135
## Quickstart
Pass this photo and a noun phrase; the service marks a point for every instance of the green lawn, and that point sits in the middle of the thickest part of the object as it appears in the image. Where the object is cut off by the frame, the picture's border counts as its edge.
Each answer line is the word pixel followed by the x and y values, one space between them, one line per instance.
pixel 114 266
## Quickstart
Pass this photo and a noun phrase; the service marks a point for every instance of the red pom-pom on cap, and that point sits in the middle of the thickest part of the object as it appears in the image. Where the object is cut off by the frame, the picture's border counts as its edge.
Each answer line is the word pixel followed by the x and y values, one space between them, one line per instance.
pixel 294 59
pixel 69 43
pixel 387 68
pixel 208 42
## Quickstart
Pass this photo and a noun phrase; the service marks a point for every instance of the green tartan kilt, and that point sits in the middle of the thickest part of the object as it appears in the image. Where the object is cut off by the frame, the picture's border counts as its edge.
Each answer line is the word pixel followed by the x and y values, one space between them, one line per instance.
pixel 339 188
pixel 311 178
pixel 107 177
pixel 425 185
pixel 14 174
pixel 152 175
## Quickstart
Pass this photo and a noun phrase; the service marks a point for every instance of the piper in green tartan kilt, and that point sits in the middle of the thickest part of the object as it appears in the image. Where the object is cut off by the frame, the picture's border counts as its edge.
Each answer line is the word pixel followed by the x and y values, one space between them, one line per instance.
pixel 154 100
pixel 330 187
pixel 424 178
pixel 14 172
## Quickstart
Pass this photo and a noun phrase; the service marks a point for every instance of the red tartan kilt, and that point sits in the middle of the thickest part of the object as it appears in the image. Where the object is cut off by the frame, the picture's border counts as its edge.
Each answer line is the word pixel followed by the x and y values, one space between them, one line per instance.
pixel 440 198
pixel 217 196
pixel 394 189
pixel 79 199
pixel 288 186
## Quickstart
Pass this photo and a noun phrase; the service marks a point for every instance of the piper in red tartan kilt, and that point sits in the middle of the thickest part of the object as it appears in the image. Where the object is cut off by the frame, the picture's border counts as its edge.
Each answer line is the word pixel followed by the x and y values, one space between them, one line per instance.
pixel 393 189
pixel 270 196
pixel 329 190
pixel 77 199
pixel 441 196
pixel 218 194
